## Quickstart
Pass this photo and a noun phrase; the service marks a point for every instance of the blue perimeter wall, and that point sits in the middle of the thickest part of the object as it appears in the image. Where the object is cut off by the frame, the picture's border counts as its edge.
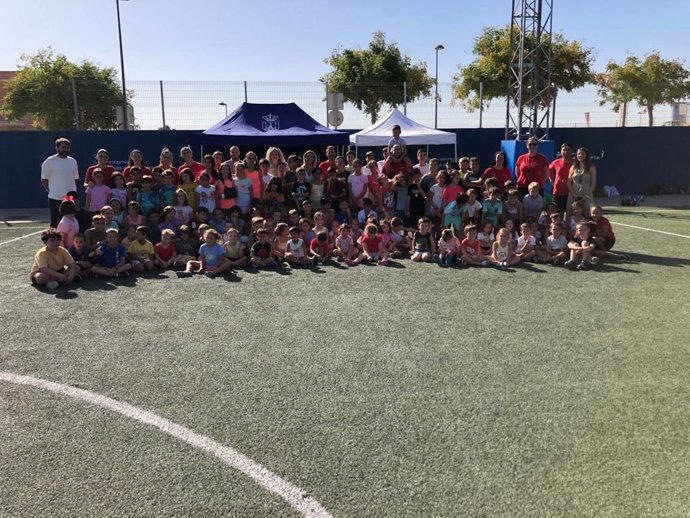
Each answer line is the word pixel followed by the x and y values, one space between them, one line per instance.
pixel 633 159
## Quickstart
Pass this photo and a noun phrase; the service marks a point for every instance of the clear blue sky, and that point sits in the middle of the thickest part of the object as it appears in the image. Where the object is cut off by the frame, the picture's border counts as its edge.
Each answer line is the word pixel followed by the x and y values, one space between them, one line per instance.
pixel 287 40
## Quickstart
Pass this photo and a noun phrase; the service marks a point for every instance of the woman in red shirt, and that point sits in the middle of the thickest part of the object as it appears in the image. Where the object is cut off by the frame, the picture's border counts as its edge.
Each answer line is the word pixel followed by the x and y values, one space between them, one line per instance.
pixel 498 170
pixel 531 167
pixel 136 158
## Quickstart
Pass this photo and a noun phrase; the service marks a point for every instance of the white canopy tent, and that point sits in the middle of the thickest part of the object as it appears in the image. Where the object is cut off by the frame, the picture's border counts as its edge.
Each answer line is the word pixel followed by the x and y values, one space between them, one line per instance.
pixel 412 132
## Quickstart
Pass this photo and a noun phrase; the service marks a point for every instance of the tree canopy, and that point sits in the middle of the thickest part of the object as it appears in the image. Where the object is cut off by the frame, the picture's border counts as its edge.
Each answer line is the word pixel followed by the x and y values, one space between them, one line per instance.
pixel 571 66
pixel 650 82
pixel 43 87
pixel 372 77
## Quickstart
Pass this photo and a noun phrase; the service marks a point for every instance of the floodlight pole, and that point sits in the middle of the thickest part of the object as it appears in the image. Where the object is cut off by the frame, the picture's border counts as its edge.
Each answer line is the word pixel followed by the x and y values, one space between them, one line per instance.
pixel 436 48
pixel 122 69
pixel 224 104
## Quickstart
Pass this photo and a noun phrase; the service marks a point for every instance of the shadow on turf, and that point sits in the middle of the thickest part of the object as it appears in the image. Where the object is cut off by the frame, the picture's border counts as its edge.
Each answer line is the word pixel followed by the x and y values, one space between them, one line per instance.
pixel 678 262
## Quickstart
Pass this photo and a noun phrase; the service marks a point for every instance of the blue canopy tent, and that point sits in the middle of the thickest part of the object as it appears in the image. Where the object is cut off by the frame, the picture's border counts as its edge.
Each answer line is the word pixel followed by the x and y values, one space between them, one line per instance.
pixel 270 125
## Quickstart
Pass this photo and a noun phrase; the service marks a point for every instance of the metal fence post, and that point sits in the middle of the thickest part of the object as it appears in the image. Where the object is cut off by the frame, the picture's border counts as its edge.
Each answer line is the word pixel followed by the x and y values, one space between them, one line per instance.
pixel 481 102
pixel 245 92
pixel 76 107
pixel 162 105
pixel 405 97
pixel 325 85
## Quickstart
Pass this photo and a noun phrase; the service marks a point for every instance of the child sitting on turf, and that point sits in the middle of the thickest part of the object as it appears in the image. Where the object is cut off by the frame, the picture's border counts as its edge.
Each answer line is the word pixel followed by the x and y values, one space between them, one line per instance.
pixel 186 247
pixel 261 255
pixel 372 248
pixel 53 265
pixel 526 243
pixel 134 217
pixel 581 247
pixel 296 254
pixel 211 257
pixel 604 238
pixel 320 250
pixel 141 251
pixel 502 253
pixel 153 223
pixel 387 237
pixel 401 240
pixel 112 257
pixel 422 242
pixel 474 208
pixel 486 238
pixel 556 249
pixel 470 248
pixel 319 225
pixel 448 247
pixel 366 212
pixel 575 219
pixel 282 233
pixel 96 234
pixel 455 212
pixel 235 250
pixel 165 252
pixel 345 248
pixel 68 226
pixel 532 203
pixel 492 208
pixel 80 253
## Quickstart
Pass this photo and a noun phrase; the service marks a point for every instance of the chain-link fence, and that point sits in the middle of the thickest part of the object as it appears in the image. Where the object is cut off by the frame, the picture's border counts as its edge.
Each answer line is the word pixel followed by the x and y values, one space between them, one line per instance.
pixel 197 105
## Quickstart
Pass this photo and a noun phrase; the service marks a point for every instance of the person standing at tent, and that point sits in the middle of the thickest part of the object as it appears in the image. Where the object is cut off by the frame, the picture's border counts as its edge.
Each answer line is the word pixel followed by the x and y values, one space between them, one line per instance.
pixel 559 171
pixel 330 160
pixel 188 158
pixel 531 167
pixel 397 140
pixel 59 175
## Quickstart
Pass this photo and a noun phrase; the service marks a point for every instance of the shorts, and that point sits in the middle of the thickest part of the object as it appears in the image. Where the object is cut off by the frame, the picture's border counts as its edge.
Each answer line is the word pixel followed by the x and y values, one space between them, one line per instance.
pixel 375 256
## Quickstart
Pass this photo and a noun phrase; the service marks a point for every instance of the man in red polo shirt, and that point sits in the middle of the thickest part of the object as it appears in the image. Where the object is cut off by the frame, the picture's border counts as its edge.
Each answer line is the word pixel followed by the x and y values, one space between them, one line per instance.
pixel 531 167
pixel 196 167
pixel 559 170
pixel 329 162
pixel 102 157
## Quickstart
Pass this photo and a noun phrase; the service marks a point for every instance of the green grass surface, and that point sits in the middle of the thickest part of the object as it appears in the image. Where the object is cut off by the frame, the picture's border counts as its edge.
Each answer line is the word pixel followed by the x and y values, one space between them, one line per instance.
pixel 406 391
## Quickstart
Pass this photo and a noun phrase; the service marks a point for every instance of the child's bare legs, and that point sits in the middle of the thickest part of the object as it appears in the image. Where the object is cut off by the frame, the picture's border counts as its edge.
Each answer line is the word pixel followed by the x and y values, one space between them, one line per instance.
pixel 262 263
pixel 421 257
pixel 160 263
pixel 65 277
pixel 238 263
pixel 514 260
pixel 478 260
pixel 140 266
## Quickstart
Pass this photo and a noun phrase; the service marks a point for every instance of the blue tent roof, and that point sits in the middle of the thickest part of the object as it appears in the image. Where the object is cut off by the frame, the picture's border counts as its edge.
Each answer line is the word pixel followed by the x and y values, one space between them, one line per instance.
pixel 270 125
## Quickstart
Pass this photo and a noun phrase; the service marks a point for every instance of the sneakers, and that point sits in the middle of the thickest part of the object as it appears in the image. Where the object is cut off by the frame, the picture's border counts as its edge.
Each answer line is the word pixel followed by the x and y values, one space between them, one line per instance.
pixel 448 261
pixel 52 285
pixel 210 275
pixel 437 259
pixel 623 257
pixel 350 262
pixel 570 265
pixel 183 274
pixel 583 266
pixel 383 262
pixel 484 262
pixel 595 261
pixel 397 255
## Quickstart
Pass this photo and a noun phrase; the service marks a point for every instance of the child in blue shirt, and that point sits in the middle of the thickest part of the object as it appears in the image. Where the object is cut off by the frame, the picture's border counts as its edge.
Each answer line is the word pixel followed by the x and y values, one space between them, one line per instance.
pixel 112 257
pixel 212 259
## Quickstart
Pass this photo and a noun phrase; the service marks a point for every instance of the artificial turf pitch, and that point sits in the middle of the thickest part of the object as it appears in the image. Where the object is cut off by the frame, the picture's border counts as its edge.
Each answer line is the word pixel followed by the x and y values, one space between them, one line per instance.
pixel 402 391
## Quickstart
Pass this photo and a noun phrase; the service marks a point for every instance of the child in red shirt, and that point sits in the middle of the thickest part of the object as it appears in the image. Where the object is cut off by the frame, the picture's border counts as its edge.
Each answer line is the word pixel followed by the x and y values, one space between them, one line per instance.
pixel 604 238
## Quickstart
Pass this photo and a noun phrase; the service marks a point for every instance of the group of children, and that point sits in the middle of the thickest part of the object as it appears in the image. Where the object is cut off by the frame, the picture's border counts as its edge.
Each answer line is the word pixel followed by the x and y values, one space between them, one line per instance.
pixel 165 223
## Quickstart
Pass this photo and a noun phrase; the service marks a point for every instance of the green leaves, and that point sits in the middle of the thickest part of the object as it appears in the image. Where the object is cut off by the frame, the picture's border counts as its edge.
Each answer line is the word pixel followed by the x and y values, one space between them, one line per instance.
pixel 43 87
pixel 571 66
pixel 650 82
pixel 372 77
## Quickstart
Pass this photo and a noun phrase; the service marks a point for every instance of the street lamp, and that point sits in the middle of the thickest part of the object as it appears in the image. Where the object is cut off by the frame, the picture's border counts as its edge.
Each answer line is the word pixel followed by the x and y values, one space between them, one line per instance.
pixel 122 67
pixel 226 107
pixel 436 48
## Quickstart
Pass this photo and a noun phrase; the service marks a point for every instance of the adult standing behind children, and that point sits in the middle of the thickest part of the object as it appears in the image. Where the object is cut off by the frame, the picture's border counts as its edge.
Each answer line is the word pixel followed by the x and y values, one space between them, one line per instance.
pixel 531 167
pixel 560 171
pixel 59 175
pixel 102 157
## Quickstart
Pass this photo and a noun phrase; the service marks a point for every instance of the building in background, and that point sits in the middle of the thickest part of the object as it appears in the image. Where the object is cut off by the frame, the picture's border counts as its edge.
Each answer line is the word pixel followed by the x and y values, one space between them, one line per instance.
pixel 23 124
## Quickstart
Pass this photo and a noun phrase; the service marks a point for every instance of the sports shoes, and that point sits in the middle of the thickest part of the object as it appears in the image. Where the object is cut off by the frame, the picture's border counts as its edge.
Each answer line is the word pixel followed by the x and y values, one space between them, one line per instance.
pixel 210 275
pixel 437 259
pixel 350 262
pixel 383 262
pixel 570 265
pixel 595 261
pixel 397 255
pixel 623 257
pixel 52 285
pixel 183 274
pixel 448 260
pixel 484 262
pixel 583 266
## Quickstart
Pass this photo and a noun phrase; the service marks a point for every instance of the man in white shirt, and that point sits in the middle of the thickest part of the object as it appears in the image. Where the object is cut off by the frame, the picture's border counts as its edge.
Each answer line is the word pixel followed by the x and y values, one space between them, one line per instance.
pixel 59 175
pixel 422 164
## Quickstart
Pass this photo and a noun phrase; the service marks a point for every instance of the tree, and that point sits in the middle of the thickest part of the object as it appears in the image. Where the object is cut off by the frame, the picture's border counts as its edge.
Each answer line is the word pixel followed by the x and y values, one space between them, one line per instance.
pixel 43 87
pixel 650 82
pixel 374 76
pixel 570 61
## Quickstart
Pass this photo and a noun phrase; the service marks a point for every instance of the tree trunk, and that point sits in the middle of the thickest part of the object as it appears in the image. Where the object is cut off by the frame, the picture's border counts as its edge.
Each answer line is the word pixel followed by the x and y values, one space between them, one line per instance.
pixel 650 113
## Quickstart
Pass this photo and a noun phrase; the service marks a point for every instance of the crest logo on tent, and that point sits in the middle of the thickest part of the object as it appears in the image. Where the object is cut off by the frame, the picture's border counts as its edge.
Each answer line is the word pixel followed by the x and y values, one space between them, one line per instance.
pixel 270 123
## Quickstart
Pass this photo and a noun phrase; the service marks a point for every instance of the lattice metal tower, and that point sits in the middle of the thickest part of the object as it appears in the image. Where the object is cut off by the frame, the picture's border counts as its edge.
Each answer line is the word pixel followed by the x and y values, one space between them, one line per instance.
pixel 530 92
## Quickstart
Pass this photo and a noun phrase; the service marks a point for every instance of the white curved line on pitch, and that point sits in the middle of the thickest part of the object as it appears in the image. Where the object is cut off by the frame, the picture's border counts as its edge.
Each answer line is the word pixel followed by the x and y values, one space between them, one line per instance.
pixel 651 230
pixel 20 237
pixel 294 496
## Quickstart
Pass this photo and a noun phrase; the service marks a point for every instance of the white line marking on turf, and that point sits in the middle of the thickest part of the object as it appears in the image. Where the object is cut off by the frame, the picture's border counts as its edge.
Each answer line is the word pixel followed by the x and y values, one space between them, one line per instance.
pixel 20 237
pixel 650 230
pixel 296 497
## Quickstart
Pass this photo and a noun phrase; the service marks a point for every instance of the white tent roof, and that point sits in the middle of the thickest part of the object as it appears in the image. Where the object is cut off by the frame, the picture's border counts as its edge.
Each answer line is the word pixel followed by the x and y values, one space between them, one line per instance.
pixel 412 132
